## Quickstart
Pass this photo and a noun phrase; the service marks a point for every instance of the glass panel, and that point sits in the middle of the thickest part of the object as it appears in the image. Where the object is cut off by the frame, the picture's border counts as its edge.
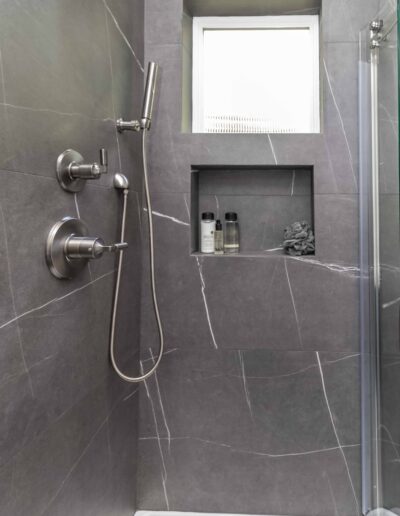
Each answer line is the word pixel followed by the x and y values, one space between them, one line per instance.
pixel 259 80
pixel 390 268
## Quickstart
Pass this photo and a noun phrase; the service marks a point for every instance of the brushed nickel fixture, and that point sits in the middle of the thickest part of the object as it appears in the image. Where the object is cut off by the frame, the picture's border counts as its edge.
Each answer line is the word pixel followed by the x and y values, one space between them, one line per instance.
pixel 376 35
pixel 148 102
pixel 121 183
pixel 69 248
pixel 72 172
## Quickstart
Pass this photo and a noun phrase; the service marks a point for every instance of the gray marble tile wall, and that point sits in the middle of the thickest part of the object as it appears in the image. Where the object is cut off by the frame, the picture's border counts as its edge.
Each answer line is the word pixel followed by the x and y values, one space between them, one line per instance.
pixel 255 408
pixel 390 249
pixel 67 424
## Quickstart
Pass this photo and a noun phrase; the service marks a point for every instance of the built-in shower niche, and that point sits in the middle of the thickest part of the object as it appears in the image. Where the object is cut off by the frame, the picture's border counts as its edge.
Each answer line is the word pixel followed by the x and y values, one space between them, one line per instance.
pixel 266 199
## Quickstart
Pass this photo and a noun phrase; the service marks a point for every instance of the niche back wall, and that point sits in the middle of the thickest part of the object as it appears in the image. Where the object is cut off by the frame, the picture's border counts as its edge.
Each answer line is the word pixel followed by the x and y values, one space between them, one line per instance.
pixel 255 407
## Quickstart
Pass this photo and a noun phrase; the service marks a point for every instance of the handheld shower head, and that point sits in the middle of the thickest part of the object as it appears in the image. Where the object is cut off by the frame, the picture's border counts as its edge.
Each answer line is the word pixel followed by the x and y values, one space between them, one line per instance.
pixel 148 101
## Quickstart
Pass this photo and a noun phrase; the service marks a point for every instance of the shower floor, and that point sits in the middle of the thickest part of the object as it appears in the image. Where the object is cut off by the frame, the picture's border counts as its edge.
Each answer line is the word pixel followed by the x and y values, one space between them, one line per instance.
pixel 178 513
pixel 376 512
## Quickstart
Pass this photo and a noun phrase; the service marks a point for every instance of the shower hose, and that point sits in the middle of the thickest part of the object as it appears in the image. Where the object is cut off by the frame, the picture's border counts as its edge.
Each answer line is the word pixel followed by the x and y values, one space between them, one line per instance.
pixel 144 376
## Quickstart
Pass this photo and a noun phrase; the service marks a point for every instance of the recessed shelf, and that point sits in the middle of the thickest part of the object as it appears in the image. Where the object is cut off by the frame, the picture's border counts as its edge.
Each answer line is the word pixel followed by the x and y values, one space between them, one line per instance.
pixel 266 199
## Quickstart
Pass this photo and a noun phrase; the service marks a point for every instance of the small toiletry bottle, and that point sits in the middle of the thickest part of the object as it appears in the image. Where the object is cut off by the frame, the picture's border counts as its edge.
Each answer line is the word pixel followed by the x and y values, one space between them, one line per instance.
pixel 219 238
pixel 231 242
pixel 207 229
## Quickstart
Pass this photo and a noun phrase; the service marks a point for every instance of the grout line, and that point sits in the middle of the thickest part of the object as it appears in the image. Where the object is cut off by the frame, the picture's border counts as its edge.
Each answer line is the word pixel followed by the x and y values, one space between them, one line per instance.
pixel 251 452
pixel 55 112
pixel 284 375
pixel 48 177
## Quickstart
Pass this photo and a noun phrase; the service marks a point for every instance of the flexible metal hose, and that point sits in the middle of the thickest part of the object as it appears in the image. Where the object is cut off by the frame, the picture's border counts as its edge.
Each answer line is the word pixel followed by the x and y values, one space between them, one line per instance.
pixel 152 275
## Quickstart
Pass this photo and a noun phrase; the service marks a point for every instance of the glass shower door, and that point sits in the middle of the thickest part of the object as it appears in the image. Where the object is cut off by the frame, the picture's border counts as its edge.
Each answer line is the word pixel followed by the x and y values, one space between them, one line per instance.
pixel 380 264
pixel 389 321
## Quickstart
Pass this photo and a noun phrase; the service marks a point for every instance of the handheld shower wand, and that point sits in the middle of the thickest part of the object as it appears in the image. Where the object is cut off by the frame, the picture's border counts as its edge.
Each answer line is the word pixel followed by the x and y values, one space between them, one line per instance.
pixel 148 102
pixel 149 94
pixel 121 183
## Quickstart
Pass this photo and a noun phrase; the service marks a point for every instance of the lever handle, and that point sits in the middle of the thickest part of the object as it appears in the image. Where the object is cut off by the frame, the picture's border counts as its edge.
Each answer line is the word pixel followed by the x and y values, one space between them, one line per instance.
pixel 113 248
pixel 89 170
pixel 90 247
pixel 104 158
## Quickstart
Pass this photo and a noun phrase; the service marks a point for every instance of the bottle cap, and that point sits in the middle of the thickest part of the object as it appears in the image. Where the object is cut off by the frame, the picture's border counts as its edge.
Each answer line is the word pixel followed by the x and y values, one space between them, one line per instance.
pixel 208 215
pixel 218 225
pixel 231 216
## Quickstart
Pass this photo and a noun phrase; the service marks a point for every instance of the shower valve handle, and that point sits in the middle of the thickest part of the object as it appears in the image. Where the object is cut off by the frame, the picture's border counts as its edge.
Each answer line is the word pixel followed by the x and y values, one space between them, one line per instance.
pixel 72 171
pixel 69 248
pixel 90 170
pixel 114 248
pixel 90 247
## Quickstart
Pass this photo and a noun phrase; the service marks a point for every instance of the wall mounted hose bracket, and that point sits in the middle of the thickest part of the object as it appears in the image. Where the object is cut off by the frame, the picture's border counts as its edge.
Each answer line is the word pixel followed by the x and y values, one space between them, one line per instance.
pixel 69 248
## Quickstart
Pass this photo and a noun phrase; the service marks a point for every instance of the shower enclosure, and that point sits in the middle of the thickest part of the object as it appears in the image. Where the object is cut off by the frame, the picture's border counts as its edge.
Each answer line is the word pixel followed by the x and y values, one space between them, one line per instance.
pixel 380 263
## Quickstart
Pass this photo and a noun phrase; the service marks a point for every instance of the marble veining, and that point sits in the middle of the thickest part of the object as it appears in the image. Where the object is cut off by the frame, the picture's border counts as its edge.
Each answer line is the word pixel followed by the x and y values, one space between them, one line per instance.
pixel 160 401
pixel 336 432
pixel 293 303
pixel 245 386
pixel 7 255
pixel 203 293
pixel 123 35
pixel 341 122
pixel 169 217
pixel 56 300
pixel 164 475
pixel 272 149
pixel 334 267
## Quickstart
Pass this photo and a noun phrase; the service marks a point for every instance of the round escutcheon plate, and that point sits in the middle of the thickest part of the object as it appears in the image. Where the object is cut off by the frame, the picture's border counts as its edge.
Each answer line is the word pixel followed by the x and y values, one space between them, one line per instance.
pixel 63 162
pixel 58 263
